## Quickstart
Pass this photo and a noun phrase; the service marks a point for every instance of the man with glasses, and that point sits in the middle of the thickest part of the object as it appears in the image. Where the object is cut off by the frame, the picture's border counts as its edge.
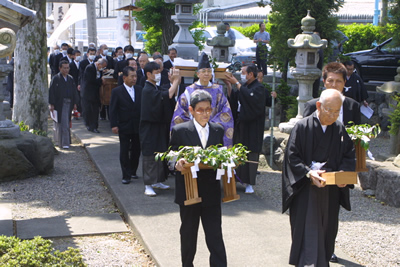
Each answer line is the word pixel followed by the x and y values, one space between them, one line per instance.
pixel 334 76
pixel 317 143
pixel 199 132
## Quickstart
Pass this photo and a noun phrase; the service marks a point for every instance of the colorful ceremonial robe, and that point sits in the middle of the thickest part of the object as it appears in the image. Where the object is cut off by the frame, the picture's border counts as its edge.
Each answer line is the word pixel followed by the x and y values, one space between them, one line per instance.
pixel 221 110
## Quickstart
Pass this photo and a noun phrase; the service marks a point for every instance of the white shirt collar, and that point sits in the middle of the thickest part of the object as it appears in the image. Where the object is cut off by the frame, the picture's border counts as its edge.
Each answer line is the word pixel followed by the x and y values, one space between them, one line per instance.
pixel 209 83
pixel 199 129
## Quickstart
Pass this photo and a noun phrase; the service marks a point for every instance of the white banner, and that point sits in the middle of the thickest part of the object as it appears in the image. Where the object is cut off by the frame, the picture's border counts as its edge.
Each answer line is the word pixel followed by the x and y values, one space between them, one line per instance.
pixel 75 13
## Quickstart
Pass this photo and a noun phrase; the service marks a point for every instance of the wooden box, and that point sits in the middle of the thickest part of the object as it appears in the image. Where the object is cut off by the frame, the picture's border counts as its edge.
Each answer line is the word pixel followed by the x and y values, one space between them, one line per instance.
pixel 105 90
pixel 192 191
pixel 185 71
pixel 361 156
pixel 340 177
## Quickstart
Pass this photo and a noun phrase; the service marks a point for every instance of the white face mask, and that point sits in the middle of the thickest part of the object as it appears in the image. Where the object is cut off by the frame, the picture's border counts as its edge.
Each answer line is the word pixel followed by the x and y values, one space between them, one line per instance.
pixel 128 55
pixel 78 58
pixel 56 51
pixel 64 52
pixel 157 77
pixel 243 78
pixel 120 57
pixel 105 52
pixel 92 57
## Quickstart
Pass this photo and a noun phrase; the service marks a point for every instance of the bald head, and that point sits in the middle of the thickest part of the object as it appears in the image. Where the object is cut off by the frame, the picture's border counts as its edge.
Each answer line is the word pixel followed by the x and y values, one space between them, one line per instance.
pixel 329 105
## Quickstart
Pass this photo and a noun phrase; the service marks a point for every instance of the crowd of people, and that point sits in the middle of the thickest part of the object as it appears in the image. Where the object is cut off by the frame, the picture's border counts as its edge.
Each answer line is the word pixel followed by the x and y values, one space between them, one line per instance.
pixel 151 109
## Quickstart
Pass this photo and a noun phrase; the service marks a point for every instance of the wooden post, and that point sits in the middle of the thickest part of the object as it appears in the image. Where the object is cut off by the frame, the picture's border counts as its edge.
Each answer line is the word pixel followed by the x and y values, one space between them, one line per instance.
pixel 192 191
pixel 361 163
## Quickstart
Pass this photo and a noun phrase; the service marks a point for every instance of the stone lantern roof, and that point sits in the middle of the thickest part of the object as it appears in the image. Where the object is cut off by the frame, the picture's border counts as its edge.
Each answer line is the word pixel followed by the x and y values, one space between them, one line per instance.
pixel 14 16
pixel 307 39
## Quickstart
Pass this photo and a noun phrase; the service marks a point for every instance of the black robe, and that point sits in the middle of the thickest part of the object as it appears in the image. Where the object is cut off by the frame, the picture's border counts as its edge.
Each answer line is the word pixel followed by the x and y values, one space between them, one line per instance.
pixel 154 119
pixel 60 89
pixel 355 88
pixel 308 143
pixel 249 122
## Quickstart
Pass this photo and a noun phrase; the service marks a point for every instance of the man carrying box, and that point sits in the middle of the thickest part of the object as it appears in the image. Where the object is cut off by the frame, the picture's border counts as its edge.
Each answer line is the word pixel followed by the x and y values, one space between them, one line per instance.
pixel 318 143
pixel 199 132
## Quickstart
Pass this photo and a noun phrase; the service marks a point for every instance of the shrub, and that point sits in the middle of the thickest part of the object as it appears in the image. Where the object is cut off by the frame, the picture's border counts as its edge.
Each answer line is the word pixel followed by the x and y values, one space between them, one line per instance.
pixel 394 118
pixel 36 252
pixel 25 128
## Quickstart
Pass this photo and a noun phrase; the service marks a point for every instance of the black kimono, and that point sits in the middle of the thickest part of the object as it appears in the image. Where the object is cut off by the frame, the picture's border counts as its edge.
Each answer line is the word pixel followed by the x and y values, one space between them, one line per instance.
pixel 154 120
pixel 249 125
pixel 314 211
pixel 355 88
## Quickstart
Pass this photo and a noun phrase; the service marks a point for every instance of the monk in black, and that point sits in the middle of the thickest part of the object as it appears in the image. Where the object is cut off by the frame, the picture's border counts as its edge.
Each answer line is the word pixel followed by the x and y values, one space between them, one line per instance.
pixel 314 207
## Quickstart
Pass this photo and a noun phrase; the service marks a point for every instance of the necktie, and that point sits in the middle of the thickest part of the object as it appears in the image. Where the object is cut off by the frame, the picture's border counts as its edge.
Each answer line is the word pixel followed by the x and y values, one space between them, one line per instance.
pixel 203 137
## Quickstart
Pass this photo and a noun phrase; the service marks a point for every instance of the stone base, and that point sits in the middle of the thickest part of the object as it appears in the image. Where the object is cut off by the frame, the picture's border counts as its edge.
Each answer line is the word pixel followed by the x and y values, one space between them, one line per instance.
pixel 25 156
pixel 8 130
pixel 186 51
pixel 287 127
pixel 384 179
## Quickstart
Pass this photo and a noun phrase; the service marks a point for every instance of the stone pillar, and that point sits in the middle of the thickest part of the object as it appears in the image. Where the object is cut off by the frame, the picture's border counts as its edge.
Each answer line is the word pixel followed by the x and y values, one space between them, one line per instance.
pixel 8 41
pixel 306 71
pixel 183 41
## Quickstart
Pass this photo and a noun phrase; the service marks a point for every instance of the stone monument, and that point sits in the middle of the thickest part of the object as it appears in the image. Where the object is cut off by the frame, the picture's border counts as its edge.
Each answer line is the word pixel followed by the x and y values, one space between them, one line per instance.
pixel 183 41
pixel 306 71
pixel 221 44
pixel 21 154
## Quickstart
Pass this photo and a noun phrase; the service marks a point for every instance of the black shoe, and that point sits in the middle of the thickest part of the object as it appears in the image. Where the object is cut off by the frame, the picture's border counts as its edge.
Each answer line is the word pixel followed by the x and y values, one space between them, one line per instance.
pixel 87 127
pixel 134 177
pixel 96 131
pixel 258 172
pixel 102 119
pixel 126 180
pixel 333 258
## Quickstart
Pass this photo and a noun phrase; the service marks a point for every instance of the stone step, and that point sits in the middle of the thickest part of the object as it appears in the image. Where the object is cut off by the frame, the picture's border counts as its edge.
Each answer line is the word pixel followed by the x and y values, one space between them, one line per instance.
pixel 61 226
pixel 6 222
pixel 71 226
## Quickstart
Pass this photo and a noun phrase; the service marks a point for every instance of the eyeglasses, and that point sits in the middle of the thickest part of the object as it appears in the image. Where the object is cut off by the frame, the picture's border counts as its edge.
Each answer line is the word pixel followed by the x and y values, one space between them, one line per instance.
pixel 205 71
pixel 201 111
pixel 330 112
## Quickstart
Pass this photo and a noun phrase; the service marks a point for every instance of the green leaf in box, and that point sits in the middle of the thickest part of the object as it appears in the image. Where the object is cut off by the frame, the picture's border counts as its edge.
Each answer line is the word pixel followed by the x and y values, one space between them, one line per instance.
pixel 213 157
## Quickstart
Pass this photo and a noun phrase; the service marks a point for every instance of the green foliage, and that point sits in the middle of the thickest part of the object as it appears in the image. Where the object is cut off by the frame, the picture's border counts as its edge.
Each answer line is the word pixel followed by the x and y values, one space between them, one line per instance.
pixel 153 37
pixel 287 101
pixel 199 39
pixel 394 12
pixel 394 118
pixel 25 128
pixel 36 252
pixel 251 30
pixel 362 133
pixel 285 19
pixel 364 36
pixel 213 156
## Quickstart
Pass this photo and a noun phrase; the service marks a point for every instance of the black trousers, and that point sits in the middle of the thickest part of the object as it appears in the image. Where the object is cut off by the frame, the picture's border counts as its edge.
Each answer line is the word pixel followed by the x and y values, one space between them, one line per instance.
pixel 104 112
pixel 129 154
pixel 91 113
pixel 211 220
pixel 261 58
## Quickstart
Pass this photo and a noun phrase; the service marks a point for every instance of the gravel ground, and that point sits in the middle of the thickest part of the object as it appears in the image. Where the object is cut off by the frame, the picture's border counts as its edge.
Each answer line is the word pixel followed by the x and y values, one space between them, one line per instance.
pixel 75 188
pixel 370 233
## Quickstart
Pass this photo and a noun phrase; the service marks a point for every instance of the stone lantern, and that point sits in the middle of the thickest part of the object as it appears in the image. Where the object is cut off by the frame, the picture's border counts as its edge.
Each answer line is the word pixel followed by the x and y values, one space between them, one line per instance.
pixel 306 71
pixel 221 44
pixel 183 41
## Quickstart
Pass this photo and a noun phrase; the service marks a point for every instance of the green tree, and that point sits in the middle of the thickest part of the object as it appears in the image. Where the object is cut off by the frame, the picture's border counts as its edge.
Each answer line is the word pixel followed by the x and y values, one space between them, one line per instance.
pixel 395 19
pixel 285 19
pixel 156 19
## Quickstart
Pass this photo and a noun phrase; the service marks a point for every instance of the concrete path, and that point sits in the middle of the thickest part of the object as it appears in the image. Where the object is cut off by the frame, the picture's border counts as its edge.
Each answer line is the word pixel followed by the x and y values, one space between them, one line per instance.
pixel 255 232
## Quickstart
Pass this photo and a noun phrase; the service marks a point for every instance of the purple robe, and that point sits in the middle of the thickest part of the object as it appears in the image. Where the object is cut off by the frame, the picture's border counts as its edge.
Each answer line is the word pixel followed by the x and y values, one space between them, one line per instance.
pixel 221 110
